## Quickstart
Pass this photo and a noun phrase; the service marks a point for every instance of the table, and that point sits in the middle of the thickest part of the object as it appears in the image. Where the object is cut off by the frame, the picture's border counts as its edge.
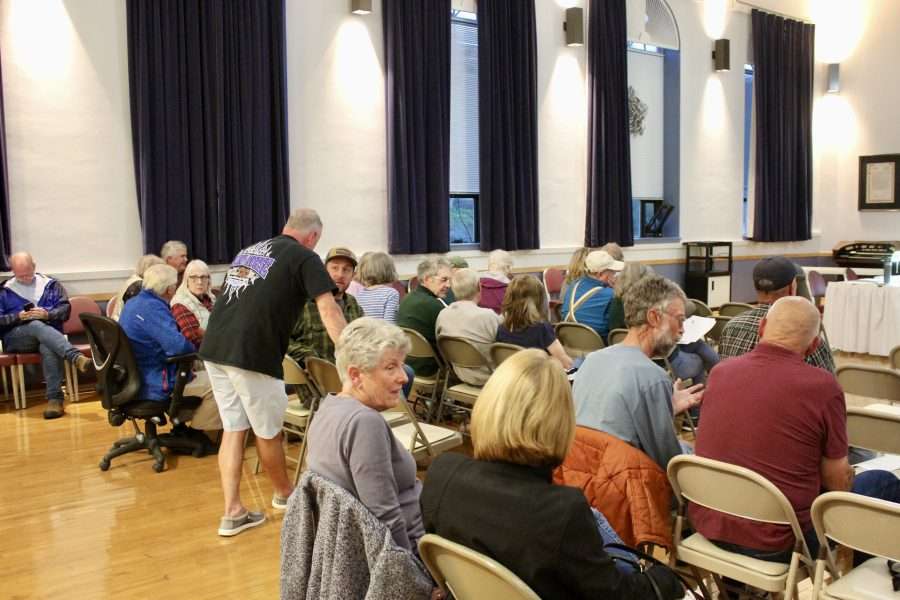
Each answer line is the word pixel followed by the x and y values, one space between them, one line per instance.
pixel 861 316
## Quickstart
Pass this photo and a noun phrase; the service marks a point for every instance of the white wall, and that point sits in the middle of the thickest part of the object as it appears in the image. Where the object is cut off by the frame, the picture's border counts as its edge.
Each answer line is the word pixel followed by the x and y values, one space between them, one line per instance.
pixel 70 163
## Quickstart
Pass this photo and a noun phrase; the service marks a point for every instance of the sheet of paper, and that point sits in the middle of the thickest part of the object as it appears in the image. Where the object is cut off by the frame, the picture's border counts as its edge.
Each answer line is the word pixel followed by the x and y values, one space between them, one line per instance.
pixel 885 462
pixel 695 328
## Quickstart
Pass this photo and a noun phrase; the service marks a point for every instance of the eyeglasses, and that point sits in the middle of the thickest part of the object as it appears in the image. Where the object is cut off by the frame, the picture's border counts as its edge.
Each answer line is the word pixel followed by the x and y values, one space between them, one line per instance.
pixel 199 277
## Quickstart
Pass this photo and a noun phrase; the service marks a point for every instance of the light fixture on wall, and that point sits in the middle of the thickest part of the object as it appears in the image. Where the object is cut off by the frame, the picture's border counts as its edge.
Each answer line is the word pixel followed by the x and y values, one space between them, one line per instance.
pixel 574 26
pixel 722 55
pixel 360 7
pixel 834 79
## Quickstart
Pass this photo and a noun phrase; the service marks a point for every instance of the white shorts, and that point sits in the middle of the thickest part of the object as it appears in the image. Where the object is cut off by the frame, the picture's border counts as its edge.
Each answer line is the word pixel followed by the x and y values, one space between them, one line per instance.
pixel 248 399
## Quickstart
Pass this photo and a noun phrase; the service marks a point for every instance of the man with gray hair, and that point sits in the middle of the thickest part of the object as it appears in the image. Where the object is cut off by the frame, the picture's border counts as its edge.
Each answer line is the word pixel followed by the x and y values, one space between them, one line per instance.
pixel 33 308
pixel 769 411
pixel 621 391
pixel 176 255
pixel 465 319
pixel 419 309
pixel 265 290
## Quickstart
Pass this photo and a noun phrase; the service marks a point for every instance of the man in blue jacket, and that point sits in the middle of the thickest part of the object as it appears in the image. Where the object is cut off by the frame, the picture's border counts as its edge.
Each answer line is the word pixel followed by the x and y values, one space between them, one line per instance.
pixel 33 308
pixel 154 336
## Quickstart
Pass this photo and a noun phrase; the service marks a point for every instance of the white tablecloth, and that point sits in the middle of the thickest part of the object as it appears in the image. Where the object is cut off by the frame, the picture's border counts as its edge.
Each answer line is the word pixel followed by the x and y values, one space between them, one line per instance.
pixel 862 317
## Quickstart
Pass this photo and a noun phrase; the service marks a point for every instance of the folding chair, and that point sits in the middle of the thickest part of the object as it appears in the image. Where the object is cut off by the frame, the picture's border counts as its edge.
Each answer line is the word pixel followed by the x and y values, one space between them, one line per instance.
pixel 553 279
pixel 742 493
pixel 426 387
pixel 73 327
pixel 500 351
pixel 875 427
pixel 716 332
pixel 423 439
pixel 733 309
pixel 457 353
pixel 895 357
pixel 578 339
pixel 701 309
pixel 864 524
pixel 871 382
pixel 617 336
pixel 470 575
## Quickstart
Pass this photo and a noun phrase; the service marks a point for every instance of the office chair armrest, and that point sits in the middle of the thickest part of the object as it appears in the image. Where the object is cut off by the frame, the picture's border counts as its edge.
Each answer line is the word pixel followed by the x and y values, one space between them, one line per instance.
pixel 185 364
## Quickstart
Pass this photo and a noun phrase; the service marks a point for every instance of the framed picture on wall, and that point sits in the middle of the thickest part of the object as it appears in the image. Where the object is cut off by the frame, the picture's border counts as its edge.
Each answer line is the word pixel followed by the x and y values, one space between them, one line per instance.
pixel 879 182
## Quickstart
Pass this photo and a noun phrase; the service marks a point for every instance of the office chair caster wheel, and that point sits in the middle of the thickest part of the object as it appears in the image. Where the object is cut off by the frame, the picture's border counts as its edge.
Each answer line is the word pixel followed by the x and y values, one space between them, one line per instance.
pixel 199 452
pixel 158 467
pixel 104 465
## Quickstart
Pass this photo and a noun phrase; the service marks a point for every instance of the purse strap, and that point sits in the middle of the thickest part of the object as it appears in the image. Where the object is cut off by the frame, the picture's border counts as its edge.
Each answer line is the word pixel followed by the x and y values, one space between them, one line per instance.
pixel 647 558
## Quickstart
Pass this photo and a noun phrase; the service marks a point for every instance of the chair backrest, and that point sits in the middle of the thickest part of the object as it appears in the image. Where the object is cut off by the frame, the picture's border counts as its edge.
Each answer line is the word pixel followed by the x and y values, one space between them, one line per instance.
pixel 872 382
pixel 716 332
pixel 324 374
pixel 851 275
pixel 578 339
pixel 80 305
pixel 412 284
pixel 859 522
pixel 817 284
pixel 733 309
pixel 501 351
pixel 419 346
pixel 701 309
pixel 293 372
pixel 118 377
pixel 617 336
pixel 401 289
pixel 895 357
pixel 470 575
pixel 111 306
pixel 732 490
pixel 874 428
pixel 553 280
pixel 460 352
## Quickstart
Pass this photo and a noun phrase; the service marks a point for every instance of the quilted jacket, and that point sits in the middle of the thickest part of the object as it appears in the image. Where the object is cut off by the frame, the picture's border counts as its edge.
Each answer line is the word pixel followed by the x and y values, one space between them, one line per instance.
pixel 623 483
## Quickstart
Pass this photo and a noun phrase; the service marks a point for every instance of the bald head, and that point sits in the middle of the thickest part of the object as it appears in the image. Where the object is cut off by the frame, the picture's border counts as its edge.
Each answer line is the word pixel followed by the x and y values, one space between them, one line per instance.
pixel 22 265
pixel 793 323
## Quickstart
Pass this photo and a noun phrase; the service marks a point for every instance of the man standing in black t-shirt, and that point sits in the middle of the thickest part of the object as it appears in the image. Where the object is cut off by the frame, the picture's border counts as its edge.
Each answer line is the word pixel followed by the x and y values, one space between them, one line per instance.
pixel 265 289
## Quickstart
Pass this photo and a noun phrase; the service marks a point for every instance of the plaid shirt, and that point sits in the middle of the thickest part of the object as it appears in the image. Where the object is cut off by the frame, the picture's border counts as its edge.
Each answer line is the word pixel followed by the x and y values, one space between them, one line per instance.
pixel 310 338
pixel 741 335
pixel 187 321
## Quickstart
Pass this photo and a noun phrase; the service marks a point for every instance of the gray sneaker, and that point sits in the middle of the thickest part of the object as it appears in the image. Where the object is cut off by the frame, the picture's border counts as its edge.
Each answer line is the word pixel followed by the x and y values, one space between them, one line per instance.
pixel 230 526
pixel 279 502
pixel 54 409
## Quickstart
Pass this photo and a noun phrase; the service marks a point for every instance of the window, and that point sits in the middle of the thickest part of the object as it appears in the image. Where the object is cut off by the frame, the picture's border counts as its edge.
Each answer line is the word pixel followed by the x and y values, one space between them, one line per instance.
pixel 464 172
pixel 748 148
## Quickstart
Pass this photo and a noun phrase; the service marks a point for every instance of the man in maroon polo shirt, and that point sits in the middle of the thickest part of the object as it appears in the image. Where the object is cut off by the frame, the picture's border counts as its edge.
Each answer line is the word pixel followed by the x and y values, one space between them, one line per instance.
pixel 771 412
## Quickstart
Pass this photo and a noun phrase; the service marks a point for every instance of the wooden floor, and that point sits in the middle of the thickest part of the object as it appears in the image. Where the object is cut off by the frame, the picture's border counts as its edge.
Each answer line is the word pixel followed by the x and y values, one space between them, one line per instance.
pixel 69 530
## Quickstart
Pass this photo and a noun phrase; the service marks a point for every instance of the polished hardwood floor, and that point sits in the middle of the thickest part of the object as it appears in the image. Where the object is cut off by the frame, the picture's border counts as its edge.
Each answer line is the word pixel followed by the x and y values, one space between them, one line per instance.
pixel 67 529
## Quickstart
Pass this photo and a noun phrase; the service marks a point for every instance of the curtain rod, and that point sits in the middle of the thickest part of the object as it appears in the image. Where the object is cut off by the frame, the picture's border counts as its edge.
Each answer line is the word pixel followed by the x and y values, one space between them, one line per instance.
pixel 774 12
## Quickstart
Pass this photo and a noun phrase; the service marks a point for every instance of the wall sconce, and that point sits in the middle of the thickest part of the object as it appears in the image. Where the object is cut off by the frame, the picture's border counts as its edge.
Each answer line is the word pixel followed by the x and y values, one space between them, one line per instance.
pixel 574 26
pixel 722 55
pixel 360 7
pixel 834 79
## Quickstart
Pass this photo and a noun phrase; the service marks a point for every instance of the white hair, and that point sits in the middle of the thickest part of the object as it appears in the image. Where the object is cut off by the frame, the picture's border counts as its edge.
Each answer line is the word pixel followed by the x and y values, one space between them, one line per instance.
pixel 430 267
pixel 172 248
pixel 500 261
pixel 160 278
pixel 648 293
pixel 145 262
pixel 464 284
pixel 304 220
pixel 363 343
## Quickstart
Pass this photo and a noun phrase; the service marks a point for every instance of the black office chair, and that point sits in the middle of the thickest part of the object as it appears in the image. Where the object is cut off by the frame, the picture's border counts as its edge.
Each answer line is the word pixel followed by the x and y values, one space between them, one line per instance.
pixel 118 383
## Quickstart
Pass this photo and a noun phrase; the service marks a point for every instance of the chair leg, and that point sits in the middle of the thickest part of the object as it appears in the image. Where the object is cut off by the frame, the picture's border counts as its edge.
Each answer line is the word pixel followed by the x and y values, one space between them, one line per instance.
pixel 5 386
pixel 74 383
pixel 67 370
pixel 22 396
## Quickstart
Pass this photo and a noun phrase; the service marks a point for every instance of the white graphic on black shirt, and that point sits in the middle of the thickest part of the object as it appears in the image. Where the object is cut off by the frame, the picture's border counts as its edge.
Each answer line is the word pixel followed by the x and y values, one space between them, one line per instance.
pixel 250 264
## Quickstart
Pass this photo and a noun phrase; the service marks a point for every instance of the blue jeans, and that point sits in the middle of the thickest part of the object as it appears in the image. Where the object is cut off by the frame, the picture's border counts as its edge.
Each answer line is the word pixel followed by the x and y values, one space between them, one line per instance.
pixel 693 361
pixel 609 536
pixel 411 375
pixel 38 336
pixel 883 485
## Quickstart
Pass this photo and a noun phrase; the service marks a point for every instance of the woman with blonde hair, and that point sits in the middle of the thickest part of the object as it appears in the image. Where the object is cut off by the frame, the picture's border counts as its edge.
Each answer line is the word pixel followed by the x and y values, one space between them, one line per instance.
pixel 503 503
pixel 132 285
pixel 576 269
pixel 378 298
pixel 193 301
pixel 525 321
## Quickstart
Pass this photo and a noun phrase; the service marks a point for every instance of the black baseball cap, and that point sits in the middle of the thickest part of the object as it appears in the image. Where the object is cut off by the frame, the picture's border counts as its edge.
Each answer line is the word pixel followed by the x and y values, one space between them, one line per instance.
pixel 774 273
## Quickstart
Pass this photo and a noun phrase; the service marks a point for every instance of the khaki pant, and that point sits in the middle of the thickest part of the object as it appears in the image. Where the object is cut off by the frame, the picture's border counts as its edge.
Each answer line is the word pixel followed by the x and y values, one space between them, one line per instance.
pixel 206 416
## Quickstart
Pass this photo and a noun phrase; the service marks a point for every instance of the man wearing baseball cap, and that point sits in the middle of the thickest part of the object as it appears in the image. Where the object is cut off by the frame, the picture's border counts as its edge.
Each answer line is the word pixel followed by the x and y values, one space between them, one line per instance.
pixel 587 298
pixel 309 337
pixel 774 277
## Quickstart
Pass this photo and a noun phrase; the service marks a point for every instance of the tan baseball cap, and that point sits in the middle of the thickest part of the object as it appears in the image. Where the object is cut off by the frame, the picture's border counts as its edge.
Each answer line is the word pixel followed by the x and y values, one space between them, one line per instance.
pixel 341 252
pixel 600 260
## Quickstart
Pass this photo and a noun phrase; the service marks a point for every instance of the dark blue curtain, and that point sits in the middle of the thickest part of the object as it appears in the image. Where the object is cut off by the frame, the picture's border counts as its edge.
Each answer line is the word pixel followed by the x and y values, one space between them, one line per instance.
pixel 417 69
pixel 5 246
pixel 783 60
pixel 507 119
pixel 609 146
pixel 209 122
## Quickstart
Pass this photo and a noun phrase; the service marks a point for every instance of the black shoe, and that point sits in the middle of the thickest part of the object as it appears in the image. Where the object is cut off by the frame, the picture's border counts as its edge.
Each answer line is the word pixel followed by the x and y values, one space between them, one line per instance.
pixel 54 409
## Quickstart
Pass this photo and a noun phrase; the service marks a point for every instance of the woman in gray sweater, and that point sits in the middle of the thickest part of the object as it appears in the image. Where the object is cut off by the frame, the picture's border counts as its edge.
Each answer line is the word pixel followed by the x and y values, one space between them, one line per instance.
pixel 352 445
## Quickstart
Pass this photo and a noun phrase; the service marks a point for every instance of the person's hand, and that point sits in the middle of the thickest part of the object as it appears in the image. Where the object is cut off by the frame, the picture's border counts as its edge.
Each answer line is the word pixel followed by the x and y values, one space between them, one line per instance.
pixel 437 594
pixel 684 398
pixel 38 313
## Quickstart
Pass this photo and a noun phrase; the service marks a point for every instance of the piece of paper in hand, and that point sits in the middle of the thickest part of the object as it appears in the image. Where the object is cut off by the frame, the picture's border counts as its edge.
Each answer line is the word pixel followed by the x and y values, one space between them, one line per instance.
pixel 695 328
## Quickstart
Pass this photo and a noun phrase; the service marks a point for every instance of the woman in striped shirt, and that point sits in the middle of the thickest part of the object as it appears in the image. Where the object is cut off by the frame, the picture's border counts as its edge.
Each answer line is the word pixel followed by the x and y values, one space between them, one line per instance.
pixel 378 298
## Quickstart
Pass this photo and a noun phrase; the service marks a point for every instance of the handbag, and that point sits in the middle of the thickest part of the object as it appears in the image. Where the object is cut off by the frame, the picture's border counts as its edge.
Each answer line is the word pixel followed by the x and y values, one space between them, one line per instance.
pixel 643 562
